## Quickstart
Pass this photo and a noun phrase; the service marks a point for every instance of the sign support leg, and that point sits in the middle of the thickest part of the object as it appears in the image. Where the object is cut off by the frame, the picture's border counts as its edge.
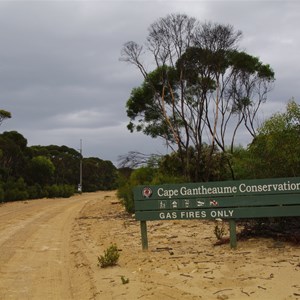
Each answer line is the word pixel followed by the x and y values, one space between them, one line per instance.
pixel 144 235
pixel 232 229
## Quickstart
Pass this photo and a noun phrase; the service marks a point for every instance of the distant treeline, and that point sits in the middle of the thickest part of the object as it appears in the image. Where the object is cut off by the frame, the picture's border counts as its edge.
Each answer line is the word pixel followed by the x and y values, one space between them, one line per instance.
pixel 48 171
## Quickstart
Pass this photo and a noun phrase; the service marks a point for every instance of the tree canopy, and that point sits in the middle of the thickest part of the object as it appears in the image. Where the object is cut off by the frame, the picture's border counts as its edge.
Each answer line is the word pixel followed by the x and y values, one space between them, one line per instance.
pixel 201 91
pixel 4 115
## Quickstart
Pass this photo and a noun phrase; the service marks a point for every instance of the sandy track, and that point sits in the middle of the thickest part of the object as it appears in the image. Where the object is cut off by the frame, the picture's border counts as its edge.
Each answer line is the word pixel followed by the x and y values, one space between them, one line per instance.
pixel 35 248
pixel 49 250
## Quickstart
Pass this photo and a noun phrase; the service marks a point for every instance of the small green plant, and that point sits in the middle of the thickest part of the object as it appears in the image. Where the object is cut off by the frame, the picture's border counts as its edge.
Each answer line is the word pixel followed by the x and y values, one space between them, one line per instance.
pixel 110 257
pixel 124 280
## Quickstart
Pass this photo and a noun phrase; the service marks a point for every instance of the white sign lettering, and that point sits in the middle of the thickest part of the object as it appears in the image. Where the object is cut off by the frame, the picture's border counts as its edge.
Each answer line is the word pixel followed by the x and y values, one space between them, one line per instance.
pixel 197 214
pixel 240 188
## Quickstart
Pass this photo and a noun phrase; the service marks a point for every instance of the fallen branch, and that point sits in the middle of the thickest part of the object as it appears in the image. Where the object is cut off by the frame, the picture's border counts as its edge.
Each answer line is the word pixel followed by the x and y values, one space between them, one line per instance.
pixel 222 291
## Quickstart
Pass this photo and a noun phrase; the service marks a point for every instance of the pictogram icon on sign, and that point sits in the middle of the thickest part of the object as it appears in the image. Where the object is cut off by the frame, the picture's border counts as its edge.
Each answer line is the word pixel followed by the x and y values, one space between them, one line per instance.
pixel 147 192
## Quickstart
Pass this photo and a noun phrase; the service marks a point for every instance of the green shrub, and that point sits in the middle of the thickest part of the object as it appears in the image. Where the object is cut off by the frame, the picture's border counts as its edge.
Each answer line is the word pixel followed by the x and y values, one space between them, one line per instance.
pixel 110 257
pixel 164 178
pixel 53 191
pixel 33 192
pixel 15 194
pixel 67 190
pixel 15 190
pixel 124 280
pixel 1 194
pixel 139 176
pixel 57 191
pixel 126 195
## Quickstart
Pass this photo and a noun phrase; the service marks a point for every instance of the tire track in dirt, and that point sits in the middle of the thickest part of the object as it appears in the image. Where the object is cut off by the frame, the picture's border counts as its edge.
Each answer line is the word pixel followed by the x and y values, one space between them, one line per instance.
pixel 35 261
pixel 82 276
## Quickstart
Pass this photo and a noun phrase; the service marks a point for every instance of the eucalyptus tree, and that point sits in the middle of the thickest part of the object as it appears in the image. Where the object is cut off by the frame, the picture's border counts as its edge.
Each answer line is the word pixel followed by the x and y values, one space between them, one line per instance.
pixel 201 88
pixel 41 170
pixel 228 88
pixel 154 101
pixel 65 160
pixel 4 115
pixel 98 174
pixel 13 158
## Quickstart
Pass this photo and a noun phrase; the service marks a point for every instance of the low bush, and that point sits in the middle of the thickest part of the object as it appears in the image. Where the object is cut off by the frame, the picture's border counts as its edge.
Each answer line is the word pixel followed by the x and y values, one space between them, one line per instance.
pixel 110 257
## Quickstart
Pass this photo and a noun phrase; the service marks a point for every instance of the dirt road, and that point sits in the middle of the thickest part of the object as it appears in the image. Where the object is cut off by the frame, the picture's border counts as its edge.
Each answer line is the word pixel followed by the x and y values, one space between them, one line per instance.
pixel 35 241
pixel 49 250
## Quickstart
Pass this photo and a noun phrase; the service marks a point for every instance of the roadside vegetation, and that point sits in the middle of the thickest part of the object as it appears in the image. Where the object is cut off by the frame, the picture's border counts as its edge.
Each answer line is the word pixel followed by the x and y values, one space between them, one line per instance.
pixel 110 257
pixel 48 171
pixel 200 96
pixel 274 153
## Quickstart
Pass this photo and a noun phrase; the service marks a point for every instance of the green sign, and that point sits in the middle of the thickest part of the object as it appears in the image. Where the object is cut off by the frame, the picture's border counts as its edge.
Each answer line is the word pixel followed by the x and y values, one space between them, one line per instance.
pixel 277 197
pixel 219 189
pixel 220 213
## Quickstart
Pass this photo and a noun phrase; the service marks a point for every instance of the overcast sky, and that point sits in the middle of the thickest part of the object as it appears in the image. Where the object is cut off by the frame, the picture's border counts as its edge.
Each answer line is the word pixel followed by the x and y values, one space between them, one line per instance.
pixel 62 81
